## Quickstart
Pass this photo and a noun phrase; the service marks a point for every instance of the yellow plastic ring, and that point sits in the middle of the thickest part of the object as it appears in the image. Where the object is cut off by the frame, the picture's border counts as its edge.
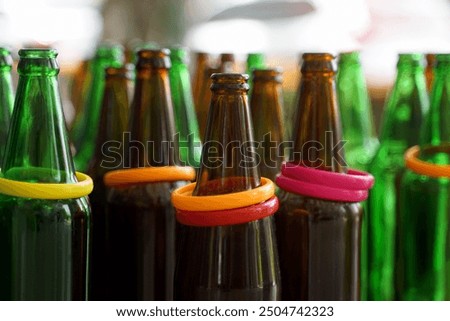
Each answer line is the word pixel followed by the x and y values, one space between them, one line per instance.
pixel 50 191
pixel 149 175
pixel 182 198
pixel 424 168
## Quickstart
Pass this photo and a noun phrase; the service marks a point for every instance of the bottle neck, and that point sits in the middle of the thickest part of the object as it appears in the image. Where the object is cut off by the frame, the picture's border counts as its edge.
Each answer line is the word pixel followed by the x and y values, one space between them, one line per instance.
pixel 228 162
pixel 436 130
pixel 317 136
pixel 354 103
pixel 406 106
pixel 113 120
pixel 37 147
pixel 152 120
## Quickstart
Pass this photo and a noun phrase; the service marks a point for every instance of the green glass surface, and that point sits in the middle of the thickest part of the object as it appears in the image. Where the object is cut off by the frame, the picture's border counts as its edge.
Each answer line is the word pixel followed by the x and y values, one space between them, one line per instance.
pixel 6 98
pixel 184 111
pixel 403 116
pixel 85 129
pixel 437 129
pixel 423 271
pixel 358 131
pixel 44 243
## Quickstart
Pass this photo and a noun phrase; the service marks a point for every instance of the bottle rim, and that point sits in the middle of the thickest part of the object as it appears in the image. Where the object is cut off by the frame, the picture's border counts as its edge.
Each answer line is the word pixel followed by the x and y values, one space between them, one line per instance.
pixel 38 53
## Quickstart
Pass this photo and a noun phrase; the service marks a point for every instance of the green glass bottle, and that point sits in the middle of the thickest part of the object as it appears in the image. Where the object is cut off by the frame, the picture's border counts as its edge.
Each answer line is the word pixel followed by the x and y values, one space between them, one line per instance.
pixel 6 97
pixel 235 261
pixel 404 114
pixel 358 130
pixel 422 271
pixel 85 128
pixel 44 243
pixel 266 105
pixel 113 124
pixel 185 118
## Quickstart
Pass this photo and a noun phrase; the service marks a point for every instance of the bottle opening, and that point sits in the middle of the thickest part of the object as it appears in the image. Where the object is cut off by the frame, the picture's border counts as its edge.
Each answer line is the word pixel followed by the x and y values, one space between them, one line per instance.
pixel 318 63
pixel 230 81
pixel 38 53
pixel 124 71
pixel 349 57
pixel 5 59
pixel 179 55
pixel 151 58
pixel 269 74
pixel 414 59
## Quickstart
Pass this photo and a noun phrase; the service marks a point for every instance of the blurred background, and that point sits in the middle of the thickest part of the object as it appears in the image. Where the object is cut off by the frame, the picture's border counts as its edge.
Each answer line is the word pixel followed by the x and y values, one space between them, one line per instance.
pixel 281 29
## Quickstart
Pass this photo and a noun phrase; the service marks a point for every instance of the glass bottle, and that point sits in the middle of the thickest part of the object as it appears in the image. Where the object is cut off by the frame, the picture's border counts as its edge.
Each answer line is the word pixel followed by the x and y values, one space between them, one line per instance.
pixel 113 124
pixel 232 262
pixel 6 97
pixel 85 128
pixel 358 130
pixel 45 243
pixel 404 113
pixel 318 239
pixel 199 79
pixel 266 104
pixel 422 268
pixel 140 218
pixel 185 118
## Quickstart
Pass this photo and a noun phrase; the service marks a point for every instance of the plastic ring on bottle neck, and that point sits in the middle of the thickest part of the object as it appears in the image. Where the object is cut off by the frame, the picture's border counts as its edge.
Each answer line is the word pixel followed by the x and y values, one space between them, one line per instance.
pixel 350 187
pixel 144 175
pixel 234 216
pixel 182 198
pixel 421 167
pixel 50 191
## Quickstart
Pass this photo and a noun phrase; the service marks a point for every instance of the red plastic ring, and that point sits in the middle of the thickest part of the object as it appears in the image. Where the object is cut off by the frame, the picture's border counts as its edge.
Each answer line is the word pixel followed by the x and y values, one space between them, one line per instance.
pixel 229 217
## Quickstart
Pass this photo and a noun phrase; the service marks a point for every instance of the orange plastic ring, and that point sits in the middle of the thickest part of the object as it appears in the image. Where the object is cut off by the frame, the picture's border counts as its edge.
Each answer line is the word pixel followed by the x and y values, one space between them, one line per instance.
pixel 424 168
pixel 149 175
pixel 182 198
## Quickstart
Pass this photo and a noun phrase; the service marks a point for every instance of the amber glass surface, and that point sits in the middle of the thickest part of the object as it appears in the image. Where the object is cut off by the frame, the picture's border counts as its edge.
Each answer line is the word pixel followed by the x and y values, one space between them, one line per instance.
pixel 266 104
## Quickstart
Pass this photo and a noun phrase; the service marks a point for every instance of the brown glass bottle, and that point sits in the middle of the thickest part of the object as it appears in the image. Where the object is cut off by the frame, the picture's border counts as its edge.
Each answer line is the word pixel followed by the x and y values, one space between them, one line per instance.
pixel 232 262
pixel 107 156
pixel 140 219
pixel 318 240
pixel 266 104
pixel 429 70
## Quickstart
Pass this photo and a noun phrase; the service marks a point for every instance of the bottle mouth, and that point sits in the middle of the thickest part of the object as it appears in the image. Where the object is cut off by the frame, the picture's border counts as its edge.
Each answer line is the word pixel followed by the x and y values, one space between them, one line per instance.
pixel 125 71
pixel 415 59
pixel 442 58
pixel 230 81
pixel 351 56
pixel 179 55
pixel 110 51
pixel 38 53
pixel 323 63
pixel 268 74
pixel 153 58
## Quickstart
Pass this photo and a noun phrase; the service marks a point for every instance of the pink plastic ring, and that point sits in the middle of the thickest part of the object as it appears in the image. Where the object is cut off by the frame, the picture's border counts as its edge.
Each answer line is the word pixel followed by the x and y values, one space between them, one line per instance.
pixel 321 191
pixel 352 180
pixel 230 216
